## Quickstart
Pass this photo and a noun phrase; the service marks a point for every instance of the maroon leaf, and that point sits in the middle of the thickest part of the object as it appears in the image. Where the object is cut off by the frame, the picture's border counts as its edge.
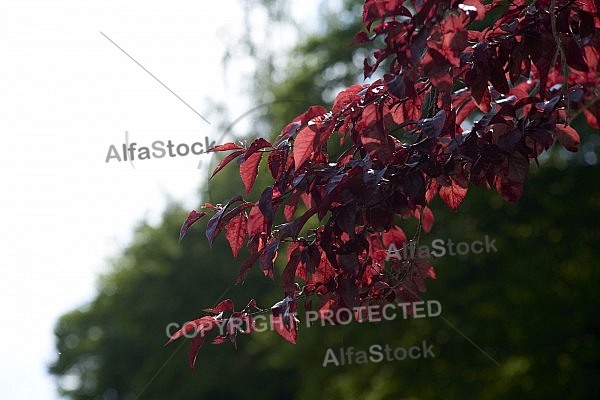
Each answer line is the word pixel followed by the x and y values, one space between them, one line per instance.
pixel 267 257
pixel 289 272
pixel 432 127
pixel 422 270
pixel 516 62
pixel 215 224
pixel 192 218
pixel 498 79
pixel 567 136
pixel 246 266
pixel 291 206
pixel 510 190
pixel 575 56
pixel 518 167
pixel 542 50
pixel 265 204
pixel 360 38
pixel 284 319
pixel 276 161
pixel 311 257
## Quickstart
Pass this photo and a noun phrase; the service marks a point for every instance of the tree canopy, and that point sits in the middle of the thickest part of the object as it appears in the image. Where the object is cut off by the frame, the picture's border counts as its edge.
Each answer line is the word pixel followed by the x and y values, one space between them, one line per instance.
pixel 470 95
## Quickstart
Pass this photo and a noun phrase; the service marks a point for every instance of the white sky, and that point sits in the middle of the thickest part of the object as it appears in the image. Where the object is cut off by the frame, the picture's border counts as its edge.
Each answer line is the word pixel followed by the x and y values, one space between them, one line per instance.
pixel 66 95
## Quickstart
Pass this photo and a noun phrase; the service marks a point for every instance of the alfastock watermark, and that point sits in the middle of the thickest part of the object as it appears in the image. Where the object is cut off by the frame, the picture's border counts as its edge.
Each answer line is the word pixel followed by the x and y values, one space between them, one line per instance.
pixel 157 149
pixel 376 353
pixel 410 250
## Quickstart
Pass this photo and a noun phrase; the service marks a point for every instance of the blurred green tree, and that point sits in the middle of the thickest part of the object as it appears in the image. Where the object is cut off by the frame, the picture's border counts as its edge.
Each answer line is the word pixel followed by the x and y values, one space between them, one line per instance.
pixel 531 307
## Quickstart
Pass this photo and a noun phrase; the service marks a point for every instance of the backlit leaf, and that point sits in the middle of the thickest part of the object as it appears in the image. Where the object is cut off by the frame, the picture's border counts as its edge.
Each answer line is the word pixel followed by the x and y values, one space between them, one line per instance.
pixel 453 195
pixel 192 218
pixel 567 136
pixel 236 233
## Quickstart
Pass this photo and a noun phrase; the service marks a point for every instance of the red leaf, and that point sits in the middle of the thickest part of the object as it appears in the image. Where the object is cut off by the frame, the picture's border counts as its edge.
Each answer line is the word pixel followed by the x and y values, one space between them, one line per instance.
pixel 249 170
pixel 375 140
pixel 227 160
pixel 256 145
pixel 236 233
pixel 454 39
pixel 192 218
pixel 256 221
pixel 312 112
pixel 225 305
pixel 303 146
pixel 197 343
pixel 225 147
pixel 291 129
pixel 465 105
pixel 395 235
pixel 432 190
pixel 567 136
pixel 346 97
pixel 201 324
pixel 453 195
pixel 307 199
pixel 377 9
pixel 427 218
pixel 220 339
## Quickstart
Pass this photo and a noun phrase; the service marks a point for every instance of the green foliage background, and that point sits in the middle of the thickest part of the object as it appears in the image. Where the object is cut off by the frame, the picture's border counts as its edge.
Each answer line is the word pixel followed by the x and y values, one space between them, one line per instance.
pixel 532 307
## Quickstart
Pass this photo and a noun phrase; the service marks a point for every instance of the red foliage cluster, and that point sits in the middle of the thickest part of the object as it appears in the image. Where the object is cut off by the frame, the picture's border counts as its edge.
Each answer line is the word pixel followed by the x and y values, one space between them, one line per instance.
pixel 472 92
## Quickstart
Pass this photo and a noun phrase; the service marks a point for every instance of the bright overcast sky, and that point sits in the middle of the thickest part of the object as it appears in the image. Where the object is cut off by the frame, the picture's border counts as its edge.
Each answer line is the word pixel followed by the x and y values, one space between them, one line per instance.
pixel 66 95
